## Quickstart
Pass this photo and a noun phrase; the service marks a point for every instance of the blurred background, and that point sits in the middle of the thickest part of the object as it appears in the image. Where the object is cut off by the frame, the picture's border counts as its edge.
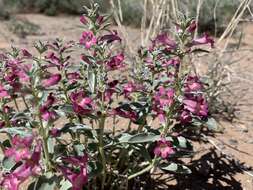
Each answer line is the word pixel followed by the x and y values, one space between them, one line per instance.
pixel 227 69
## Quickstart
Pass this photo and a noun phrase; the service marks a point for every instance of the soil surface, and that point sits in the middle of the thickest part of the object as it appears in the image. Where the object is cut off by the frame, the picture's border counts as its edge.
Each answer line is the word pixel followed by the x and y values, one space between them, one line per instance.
pixel 226 161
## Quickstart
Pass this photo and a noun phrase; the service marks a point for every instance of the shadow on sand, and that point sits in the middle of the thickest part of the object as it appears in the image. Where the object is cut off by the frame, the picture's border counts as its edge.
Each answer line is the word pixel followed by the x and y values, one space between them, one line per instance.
pixel 211 171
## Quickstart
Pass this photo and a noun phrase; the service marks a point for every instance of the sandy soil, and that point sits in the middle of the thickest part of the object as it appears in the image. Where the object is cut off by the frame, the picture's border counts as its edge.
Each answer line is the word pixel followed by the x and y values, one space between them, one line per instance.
pixel 214 171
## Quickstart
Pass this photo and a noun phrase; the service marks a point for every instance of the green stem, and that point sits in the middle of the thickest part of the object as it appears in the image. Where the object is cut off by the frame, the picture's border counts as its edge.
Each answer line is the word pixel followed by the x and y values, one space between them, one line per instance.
pixel 140 128
pixel 101 150
pixel 16 104
pixel 26 105
pixel 2 147
pixel 42 132
pixel 129 126
pixel 148 168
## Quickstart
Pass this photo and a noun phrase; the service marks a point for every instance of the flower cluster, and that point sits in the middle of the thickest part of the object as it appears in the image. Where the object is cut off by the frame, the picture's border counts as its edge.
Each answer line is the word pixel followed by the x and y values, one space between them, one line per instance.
pixel 67 121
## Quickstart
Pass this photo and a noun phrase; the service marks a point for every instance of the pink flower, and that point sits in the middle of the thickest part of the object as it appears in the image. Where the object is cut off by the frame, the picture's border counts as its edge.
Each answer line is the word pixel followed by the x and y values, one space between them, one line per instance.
pixel 88 39
pixel 83 19
pixel 46 111
pixel 111 88
pixel 99 20
pixel 53 59
pixel 206 39
pixel 52 80
pixel 26 53
pixel 165 40
pixel 20 149
pixel 185 117
pixel 2 124
pixel 81 103
pixel 116 62
pixel 130 114
pixel 85 59
pixel 77 178
pixel 163 149
pixel 46 114
pixel 55 132
pixel 192 27
pixel 109 38
pixel 29 168
pixel 73 77
pixel 3 92
pixel 172 62
pixel 192 84
pixel 130 87
pixel 164 97
pixel 196 105
pixel 23 77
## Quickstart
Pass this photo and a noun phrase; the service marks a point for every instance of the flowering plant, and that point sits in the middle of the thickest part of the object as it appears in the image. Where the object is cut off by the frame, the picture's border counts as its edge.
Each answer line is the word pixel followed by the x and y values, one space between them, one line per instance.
pixel 93 125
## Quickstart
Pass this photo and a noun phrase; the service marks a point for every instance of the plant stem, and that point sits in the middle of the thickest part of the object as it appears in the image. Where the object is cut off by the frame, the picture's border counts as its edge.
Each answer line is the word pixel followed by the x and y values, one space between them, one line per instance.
pixel 16 104
pixel 2 147
pixel 149 167
pixel 26 105
pixel 45 145
pixel 101 149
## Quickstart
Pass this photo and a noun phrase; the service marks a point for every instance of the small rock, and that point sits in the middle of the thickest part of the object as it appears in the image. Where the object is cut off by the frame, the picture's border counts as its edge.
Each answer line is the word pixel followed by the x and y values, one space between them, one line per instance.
pixel 232 141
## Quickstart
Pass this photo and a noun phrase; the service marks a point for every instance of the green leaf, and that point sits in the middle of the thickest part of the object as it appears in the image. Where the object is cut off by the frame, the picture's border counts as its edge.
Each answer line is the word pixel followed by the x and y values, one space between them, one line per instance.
pixel 143 138
pixel 8 163
pixel 79 149
pixel 94 169
pixel 92 81
pixel 180 142
pixel 46 182
pixel 50 144
pixel 212 124
pixel 175 168
pixel 125 138
pixel 16 131
pixel 74 127
pixel 65 185
pixel 19 116
pixel 66 109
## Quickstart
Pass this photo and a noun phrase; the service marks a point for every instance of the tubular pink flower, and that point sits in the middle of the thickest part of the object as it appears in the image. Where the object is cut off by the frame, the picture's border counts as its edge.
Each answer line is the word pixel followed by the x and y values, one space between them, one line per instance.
pixel 131 87
pixel 20 149
pixel 73 77
pixel 88 39
pixel 55 132
pixel 46 112
pixel 206 39
pixel 192 84
pixel 116 62
pixel 81 103
pixel 3 92
pixel 164 97
pixel 29 168
pixel 164 40
pixel 99 20
pixel 196 105
pixel 163 149
pixel 77 179
pixel 192 27
pixel 53 59
pixel 52 80
pixel 26 53
pixel 130 114
pixel 185 117
pixel 109 38
pixel 83 20
pixel 111 88
pixel 172 62
pixel 2 124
